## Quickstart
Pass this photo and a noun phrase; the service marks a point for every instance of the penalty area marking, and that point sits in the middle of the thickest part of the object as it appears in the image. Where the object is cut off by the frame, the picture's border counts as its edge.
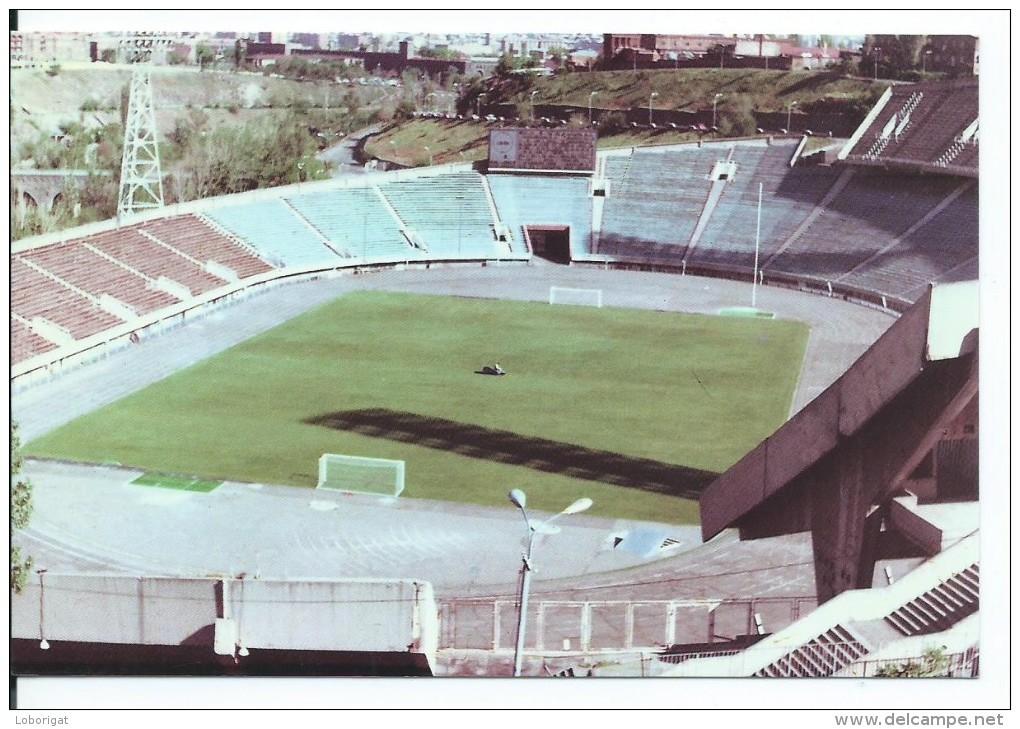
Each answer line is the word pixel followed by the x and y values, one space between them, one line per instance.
pixel 746 311
pixel 176 483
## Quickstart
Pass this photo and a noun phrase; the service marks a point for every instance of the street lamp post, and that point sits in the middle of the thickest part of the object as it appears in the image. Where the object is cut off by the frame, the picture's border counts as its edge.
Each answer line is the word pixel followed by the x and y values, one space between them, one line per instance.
pixel 478 104
pixel 429 151
pixel 789 110
pixel 715 101
pixel 654 94
pixel 878 51
pixel 590 97
pixel 924 61
pixel 533 104
pixel 518 499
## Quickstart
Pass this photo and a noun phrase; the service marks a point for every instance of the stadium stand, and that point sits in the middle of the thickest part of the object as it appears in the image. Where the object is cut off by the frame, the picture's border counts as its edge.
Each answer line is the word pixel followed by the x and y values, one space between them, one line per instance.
pixel 357 222
pixel 86 270
pixel 656 199
pixel 870 211
pixel 276 232
pixel 26 343
pixel 523 200
pixel 788 197
pixel 35 294
pixel 155 260
pixel 943 243
pixel 926 126
pixel 196 239
pixel 449 215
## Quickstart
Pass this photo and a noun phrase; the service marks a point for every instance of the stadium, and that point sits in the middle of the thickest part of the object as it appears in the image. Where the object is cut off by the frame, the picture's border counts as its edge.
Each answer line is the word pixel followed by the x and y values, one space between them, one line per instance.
pixel 753 368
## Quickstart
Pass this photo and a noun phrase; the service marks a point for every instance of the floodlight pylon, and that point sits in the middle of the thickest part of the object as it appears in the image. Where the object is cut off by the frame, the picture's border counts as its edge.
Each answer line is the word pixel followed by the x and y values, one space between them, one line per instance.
pixel 141 180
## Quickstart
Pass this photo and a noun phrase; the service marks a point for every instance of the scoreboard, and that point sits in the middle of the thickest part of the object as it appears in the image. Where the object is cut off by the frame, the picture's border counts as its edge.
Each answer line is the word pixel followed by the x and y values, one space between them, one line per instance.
pixel 566 149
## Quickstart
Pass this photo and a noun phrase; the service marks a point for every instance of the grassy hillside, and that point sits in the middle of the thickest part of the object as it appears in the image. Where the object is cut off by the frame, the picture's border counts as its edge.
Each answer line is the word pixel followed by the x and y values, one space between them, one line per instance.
pixel 634 409
pixel 693 89
pixel 91 95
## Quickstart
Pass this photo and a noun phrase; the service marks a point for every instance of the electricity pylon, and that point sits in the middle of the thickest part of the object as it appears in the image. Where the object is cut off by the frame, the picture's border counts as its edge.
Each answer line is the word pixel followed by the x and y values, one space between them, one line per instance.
pixel 141 181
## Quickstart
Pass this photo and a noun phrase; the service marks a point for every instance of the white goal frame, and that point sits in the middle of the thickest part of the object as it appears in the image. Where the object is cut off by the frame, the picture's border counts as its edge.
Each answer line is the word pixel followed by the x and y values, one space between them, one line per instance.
pixel 331 482
pixel 575 297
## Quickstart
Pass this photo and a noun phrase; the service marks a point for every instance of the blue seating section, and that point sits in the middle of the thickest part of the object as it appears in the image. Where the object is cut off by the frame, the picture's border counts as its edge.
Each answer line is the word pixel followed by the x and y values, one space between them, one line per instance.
pixel 788 197
pixel 356 221
pixel 867 214
pixel 276 232
pixel 947 242
pixel 543 200
pixel 656 198
pixel 449 213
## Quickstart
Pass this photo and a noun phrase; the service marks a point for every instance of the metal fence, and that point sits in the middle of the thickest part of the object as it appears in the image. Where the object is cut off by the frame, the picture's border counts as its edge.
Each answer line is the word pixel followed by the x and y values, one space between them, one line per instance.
pixel 593 626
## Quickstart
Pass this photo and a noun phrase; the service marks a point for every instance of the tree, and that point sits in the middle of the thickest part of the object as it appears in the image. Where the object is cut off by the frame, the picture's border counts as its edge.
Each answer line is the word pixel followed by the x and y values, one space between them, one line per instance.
pixel 204 55
pixel 612 122
pixel 735 118
pixel 21 512
pixel 934 663
pixel 240 53
pixel 506 65
pixel 893 56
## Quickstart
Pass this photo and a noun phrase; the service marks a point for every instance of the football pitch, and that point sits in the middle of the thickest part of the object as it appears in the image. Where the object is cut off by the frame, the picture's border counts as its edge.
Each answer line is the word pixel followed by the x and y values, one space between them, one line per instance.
pixel 637 410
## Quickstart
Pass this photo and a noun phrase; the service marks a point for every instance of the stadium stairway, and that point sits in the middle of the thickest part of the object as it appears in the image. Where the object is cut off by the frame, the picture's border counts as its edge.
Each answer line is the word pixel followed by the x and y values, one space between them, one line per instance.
pixel 706 214
pixel 934 598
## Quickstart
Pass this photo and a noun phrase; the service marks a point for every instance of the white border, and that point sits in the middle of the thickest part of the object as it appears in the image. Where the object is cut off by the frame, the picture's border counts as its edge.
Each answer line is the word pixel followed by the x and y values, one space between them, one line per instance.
pixel 989 692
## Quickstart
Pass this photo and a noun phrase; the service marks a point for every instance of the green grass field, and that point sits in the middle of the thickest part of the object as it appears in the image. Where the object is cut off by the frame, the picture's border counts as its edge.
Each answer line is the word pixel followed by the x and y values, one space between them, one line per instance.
pixel 634 409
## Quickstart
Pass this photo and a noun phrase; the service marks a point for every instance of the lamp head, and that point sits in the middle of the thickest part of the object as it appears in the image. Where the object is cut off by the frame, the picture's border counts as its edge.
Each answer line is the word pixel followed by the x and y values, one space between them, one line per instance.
pixel 518 498
pixel 580 505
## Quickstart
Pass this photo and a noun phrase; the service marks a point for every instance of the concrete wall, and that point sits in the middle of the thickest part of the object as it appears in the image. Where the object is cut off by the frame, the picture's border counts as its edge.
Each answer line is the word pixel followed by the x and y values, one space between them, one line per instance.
pixel 270 617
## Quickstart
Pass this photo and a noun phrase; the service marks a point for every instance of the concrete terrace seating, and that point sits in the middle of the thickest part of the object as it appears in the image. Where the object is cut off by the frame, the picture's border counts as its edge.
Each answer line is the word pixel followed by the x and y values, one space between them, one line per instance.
pixel 129 246
pixel 25 343
pixel 929 117
pixel 195 238
pixel 90 272
pixel 946 242
pixel 450 214
pixel 953 110
pixel 35 295
pixel 356 221
pixel 789 196
pixel 273 229
pixel 871 211
pixel 655 200
pixel 523 200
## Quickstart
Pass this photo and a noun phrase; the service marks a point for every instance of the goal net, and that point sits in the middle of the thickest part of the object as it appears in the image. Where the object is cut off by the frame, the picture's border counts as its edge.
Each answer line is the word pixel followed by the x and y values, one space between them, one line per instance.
pixel 377 476
pixel 575 297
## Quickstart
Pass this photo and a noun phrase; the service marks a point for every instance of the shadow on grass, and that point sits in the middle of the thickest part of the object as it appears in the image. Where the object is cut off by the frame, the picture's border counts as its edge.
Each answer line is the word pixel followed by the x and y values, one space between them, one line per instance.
pixel 520 450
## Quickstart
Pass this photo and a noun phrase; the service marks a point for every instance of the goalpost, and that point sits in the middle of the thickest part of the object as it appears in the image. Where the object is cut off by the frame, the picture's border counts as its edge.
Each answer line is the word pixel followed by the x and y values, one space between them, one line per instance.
pixel 575 297
pixel 357 474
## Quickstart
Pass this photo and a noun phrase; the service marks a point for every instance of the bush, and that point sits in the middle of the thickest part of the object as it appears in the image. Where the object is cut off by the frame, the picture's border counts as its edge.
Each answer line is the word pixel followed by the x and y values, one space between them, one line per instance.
pixel 612 123
pixel 735 118
pixel 934 663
